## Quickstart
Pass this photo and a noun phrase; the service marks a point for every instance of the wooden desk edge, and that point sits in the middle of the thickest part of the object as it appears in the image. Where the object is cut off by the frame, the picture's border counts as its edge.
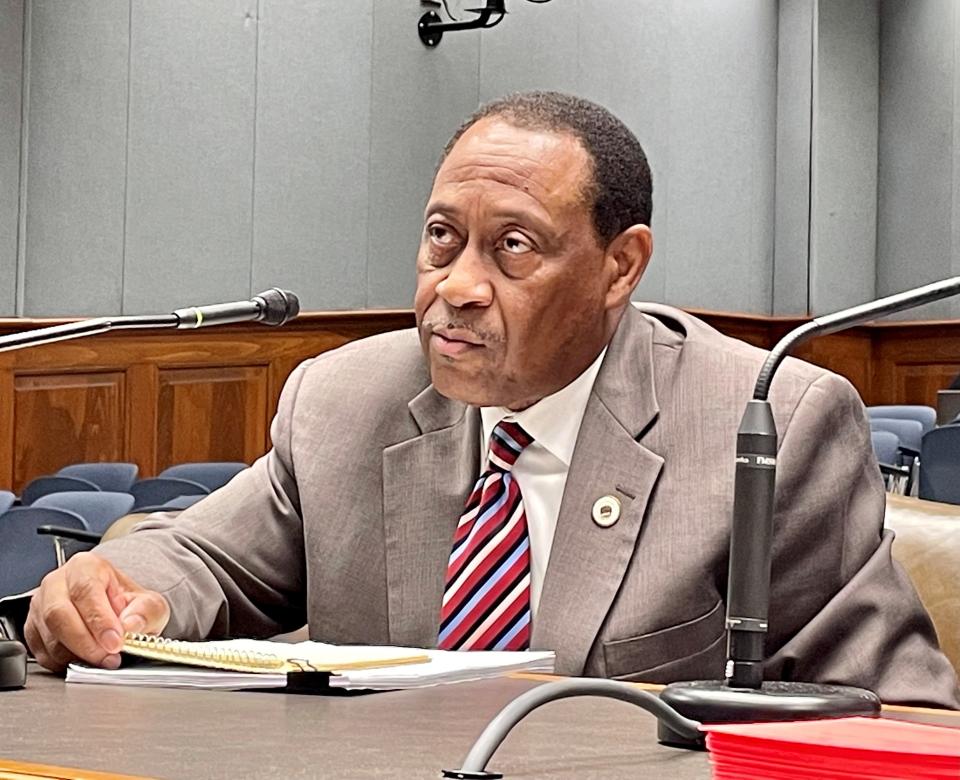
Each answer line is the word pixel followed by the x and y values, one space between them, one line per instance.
pixel 654 687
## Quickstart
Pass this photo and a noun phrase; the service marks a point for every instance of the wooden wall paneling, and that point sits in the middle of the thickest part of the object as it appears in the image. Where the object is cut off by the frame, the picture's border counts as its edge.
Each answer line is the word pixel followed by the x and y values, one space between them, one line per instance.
pixel 914 360
pixel 849 354
pixel 216 413
pixel 142 417
pixel 918 383
pixel 6 424
pixel 166 397
pixel 756 329
pixel 66 418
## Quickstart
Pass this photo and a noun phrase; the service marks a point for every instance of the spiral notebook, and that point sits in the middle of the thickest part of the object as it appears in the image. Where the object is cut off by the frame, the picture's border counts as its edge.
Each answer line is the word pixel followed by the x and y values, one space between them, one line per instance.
pixel 258 656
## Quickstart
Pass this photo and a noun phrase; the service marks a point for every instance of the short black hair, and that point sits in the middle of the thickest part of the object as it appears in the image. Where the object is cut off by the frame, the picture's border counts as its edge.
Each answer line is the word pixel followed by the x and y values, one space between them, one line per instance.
pixel 621 189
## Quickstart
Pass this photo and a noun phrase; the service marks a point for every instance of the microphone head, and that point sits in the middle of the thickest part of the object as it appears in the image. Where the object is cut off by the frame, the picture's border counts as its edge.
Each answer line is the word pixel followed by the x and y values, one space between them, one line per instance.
pixel 277 306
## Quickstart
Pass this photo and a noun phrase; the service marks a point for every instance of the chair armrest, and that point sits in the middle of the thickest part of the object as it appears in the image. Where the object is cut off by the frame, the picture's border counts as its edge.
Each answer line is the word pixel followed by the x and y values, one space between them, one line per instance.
pixel 885 468
pixel 69 533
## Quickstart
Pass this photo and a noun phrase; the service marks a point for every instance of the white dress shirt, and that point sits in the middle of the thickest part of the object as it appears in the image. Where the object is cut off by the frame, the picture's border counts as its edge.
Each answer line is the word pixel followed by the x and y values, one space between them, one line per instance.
pixel 541 470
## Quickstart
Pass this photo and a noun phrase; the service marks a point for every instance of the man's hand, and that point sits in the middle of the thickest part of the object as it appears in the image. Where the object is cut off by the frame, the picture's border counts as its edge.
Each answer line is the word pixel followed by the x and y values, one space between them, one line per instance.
pixel 82 610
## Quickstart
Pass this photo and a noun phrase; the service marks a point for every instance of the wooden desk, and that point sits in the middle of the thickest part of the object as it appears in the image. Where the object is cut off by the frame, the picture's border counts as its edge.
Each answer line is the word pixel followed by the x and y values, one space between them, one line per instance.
pixel 405 734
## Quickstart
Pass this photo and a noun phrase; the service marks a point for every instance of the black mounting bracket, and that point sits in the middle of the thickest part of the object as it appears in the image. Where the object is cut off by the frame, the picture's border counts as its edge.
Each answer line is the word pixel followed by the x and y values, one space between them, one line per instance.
pixel 431 27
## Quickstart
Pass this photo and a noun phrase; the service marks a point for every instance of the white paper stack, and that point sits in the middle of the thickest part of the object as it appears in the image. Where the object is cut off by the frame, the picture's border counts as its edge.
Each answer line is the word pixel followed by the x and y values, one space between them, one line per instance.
pixel 161 675
pixel 443 667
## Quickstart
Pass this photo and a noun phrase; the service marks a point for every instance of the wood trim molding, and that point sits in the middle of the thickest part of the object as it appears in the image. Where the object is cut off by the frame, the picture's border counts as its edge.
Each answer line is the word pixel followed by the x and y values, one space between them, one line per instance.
pixel 154 397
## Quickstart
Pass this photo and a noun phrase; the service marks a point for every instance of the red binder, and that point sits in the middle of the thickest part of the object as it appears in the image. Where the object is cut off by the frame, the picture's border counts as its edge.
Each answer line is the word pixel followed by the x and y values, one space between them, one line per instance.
pixel 866 748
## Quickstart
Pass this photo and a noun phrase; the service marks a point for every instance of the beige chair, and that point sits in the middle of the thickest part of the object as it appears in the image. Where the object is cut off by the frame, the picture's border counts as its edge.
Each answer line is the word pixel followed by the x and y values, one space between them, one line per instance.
pixel 122 525
pixel 927 545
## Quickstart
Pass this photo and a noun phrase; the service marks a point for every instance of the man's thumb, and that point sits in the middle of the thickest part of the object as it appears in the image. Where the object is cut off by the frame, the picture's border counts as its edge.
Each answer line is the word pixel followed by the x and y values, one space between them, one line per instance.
pixel 146 613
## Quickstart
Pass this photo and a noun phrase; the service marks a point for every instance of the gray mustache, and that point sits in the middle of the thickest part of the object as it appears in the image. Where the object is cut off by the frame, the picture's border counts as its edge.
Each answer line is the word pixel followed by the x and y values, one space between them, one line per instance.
pixel 486 336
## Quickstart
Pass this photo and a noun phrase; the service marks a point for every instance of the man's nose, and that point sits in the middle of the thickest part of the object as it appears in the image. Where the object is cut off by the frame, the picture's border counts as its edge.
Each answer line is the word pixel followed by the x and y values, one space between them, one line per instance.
pixel 467 282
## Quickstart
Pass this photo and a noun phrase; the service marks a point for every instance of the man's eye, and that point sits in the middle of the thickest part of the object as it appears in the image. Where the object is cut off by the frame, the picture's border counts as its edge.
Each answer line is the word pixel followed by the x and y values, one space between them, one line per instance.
pixel 516 243
pixel 441 235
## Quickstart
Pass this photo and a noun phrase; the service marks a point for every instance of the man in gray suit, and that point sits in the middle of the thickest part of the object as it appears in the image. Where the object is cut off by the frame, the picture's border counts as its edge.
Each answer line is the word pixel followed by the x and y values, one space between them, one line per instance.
pixel 603 439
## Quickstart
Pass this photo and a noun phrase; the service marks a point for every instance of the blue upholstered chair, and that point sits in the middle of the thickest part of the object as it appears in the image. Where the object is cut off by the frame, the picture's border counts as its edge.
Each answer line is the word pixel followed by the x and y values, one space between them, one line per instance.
pixel 940 474
pixel 910 432
pixel 210 475
pixel 25 557
pixel 117 477
pixel 6 500
pixel 925 415
pixel 886 447
pixel 99 509
pixel 42 486
pixel 173 505
pixel 158 491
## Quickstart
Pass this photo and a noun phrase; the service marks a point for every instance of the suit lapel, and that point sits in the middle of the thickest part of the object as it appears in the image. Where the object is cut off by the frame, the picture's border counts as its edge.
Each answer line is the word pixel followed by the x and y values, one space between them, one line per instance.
pixel 587 562
pixel 426 481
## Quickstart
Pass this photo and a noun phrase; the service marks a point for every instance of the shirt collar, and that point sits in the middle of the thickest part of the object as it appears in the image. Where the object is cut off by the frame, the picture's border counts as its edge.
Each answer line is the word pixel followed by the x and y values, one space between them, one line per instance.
pixel 553 421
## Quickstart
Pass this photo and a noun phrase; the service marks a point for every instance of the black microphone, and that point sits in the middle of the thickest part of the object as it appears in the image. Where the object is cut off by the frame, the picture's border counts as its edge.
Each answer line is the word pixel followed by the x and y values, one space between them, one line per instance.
pixel 272 307
pixel 743 696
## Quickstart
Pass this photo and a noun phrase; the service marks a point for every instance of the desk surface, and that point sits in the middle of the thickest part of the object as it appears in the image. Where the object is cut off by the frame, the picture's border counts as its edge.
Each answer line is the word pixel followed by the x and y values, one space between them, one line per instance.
pixel 404 734
pixel 410 734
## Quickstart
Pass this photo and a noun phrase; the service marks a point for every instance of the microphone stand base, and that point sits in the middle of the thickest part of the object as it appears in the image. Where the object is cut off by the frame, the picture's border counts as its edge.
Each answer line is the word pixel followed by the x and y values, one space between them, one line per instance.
pixel 713 701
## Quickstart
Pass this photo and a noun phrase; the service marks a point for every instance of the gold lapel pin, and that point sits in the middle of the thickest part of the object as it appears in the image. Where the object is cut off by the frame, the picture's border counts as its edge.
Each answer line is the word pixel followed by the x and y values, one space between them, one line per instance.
pixel 606 511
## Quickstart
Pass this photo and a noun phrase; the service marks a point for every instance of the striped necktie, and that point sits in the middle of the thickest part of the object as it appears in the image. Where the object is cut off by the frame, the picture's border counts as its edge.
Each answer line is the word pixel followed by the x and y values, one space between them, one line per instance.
pixel 486 602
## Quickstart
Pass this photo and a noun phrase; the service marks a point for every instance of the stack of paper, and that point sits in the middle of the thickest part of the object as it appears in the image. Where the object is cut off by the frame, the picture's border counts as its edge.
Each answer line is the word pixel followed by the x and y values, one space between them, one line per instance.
pixel 160 675
pixel 445 666
pixel 842 748
pixel 439 667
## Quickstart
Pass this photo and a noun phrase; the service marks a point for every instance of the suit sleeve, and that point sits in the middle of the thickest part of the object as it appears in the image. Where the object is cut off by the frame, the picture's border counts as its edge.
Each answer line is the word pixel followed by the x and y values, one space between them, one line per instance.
pixel 842 611
pixel 232 564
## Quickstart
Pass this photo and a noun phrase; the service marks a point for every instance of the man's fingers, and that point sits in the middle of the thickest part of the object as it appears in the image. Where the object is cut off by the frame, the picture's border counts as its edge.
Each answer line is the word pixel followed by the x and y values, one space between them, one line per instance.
pixel 39 649
pixel 117 595
pixel 76 613
pixel 87 583
pixel 147 613
pixel 65 635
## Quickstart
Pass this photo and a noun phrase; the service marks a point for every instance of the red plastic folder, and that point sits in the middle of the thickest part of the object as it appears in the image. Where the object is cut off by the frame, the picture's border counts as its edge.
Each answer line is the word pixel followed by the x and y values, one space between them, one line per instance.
pixel 866 748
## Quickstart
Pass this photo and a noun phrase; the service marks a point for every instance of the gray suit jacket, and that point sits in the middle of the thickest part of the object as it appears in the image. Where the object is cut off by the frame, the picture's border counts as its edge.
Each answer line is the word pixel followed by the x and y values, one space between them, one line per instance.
pixel 347 523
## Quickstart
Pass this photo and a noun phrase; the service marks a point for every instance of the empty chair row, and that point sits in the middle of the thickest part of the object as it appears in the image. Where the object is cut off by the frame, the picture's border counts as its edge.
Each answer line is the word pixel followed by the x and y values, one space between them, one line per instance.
pixel 932 463
pixel 183 479
pixel 35 539
pixel 886 447
pixel 925 415
pixel 25 556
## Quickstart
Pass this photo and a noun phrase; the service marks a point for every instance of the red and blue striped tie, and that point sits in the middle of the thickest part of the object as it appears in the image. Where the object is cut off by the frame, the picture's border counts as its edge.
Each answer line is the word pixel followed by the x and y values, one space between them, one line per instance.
pixel 486 602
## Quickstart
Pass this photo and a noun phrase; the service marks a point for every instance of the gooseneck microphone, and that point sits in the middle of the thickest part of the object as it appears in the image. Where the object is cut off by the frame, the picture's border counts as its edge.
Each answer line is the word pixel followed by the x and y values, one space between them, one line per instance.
pixel 743 696
pixel 272 307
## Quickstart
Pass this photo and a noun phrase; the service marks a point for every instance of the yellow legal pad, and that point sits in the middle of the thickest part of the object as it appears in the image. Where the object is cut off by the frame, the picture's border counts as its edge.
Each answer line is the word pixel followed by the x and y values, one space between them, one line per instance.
pixel 257 655
pixel 21 770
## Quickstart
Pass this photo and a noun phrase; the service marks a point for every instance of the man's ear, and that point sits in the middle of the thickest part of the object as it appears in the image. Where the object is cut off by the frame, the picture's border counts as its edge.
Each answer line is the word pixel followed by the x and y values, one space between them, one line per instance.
pixel 628 255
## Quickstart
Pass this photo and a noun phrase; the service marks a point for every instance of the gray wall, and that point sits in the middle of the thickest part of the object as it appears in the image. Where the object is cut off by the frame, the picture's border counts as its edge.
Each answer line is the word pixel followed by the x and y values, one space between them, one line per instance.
pixel 11 55
pixel 843 188
pixel 918 232
pixel 183 152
